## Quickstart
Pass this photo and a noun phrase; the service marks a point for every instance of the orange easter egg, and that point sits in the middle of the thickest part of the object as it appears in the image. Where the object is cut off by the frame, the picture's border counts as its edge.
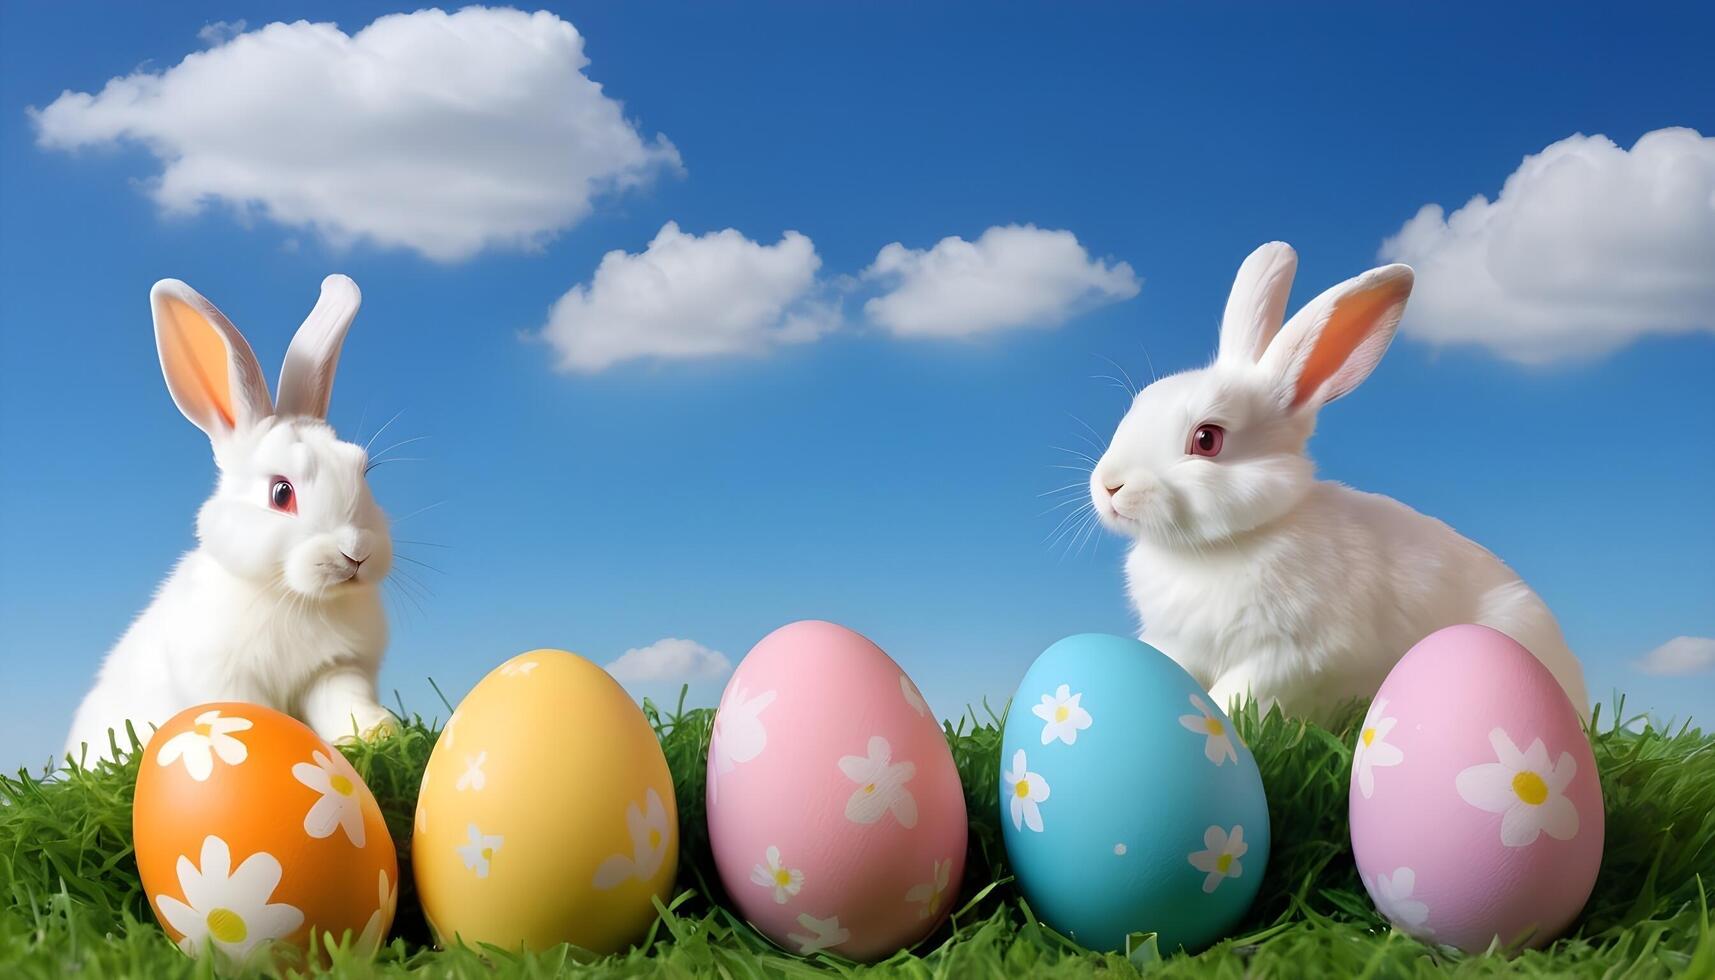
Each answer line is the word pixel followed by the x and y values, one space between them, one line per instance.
pixel 251 831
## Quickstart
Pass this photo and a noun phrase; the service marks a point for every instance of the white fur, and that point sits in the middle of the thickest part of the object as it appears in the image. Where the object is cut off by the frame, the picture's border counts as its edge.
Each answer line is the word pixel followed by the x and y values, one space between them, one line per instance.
pixel 274 608
pixel 1259 580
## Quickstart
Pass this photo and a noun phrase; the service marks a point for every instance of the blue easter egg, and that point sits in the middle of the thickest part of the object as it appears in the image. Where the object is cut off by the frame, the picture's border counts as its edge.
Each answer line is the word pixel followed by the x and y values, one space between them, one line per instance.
pixel 1127 802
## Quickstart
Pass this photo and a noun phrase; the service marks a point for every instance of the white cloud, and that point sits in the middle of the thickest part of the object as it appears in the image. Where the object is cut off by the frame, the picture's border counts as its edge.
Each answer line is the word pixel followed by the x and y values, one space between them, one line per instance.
pixel 1679 656
pixel 442 133
pixel 689 296
pixel 1011 276
pixel 221 31
pixel 1587 247
pixel 670 659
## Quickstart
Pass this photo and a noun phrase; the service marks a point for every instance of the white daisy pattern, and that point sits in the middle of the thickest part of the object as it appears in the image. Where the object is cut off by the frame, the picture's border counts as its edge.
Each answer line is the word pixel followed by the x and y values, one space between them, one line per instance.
pixel 824 934
pixel 1373 748
pixel 650 836
pixel 773 873
pixel 1219 859
pixel 473 778
pixel 1529 793
pixel 930 894
pixel 338 805
pixel 478 851
pixel 739 735
pixel 227 907
pixel 1024 791
pixel 1393 898
pixel 913 697
pixel 1217 741
pixel 210 737
pixel 1061 715
pixel 880 785
pixel 386 904
pixel 447 732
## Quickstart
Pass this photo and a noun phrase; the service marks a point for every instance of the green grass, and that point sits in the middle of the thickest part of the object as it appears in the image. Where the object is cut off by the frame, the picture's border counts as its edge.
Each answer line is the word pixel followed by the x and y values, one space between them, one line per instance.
pixel 73 905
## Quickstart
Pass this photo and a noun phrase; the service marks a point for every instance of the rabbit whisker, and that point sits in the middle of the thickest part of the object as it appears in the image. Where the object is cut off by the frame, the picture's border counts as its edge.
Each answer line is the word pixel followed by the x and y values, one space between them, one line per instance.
pixel 1130 385
pixel 401 443
pixel 393 459
pixel 384 425
pixel 415 561
pixel 420 510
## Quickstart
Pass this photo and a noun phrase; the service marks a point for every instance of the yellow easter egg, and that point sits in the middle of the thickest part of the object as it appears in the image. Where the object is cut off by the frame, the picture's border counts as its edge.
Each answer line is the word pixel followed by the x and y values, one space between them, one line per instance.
pixel 546 813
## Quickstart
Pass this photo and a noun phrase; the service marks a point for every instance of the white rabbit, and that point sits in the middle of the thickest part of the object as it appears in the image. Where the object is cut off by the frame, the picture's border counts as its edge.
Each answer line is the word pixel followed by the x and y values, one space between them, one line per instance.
pixel 1258 579
pixel 280 602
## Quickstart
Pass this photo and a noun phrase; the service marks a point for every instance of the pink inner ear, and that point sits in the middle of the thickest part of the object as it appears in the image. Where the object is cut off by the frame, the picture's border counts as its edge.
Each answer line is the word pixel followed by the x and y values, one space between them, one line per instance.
pixel 196 359
pixel 1352 323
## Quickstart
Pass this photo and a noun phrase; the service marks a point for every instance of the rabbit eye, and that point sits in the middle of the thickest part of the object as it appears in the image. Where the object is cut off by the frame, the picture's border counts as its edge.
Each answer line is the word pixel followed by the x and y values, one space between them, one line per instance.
pixel 1206 440
pixel 282 497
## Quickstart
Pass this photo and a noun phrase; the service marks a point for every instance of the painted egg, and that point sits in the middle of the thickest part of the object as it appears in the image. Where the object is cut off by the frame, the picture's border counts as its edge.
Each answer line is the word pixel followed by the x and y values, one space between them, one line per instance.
pixel 1127 802
pixel 546 813
pixel 835 812
pixel 1475 803
pixel 251 831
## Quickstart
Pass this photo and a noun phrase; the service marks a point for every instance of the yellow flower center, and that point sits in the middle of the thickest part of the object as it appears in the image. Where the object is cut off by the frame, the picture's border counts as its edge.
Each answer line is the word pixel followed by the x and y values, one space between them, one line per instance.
pixel 870 788
pixel 654 838
pixel 488 854
pixel 204 729
pixel 1530 788
pixel 1368 736
pixel 1062 713
pixel 1214 726
pixel 227 926
pixel 340 784
pixel 782 877
pixel 1022 787
pixel 1223 862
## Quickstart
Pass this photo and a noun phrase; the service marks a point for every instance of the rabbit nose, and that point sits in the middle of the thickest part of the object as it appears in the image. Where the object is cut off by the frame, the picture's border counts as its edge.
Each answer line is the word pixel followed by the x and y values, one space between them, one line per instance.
pixel 355 562
pixel 1113 490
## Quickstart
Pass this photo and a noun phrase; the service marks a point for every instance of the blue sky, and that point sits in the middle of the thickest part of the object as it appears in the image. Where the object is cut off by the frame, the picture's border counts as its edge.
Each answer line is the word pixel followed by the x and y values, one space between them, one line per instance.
pixel 883 480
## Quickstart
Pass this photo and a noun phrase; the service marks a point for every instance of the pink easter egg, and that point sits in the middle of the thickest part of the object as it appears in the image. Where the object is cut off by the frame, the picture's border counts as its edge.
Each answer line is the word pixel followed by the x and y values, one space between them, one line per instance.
pixel 1475 804
pixel 835 813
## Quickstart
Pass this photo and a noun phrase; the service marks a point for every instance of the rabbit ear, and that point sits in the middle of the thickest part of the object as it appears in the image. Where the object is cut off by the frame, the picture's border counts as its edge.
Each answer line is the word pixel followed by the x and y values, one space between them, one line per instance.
pixel 1337 339
pixel 1257 304
pixel 211 372
pixel 306 377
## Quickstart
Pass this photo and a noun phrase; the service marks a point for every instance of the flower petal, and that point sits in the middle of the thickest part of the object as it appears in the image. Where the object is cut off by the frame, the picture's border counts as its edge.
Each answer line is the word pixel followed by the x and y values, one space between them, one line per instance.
pixel 324 816
pixel 351 821
pixel 255 880
pixel 612 872
pixel 183 919
pixel 857 768
pixel 1215 839
pixel 1559 817
pixel 275 921
pixel 231 750
pixel 199 762
pixel 904 808
pixel 1487 787
pixel 315 777
pixel 1038 787
pixel 1505 750
pixel 1521 825
pixel 1383 754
